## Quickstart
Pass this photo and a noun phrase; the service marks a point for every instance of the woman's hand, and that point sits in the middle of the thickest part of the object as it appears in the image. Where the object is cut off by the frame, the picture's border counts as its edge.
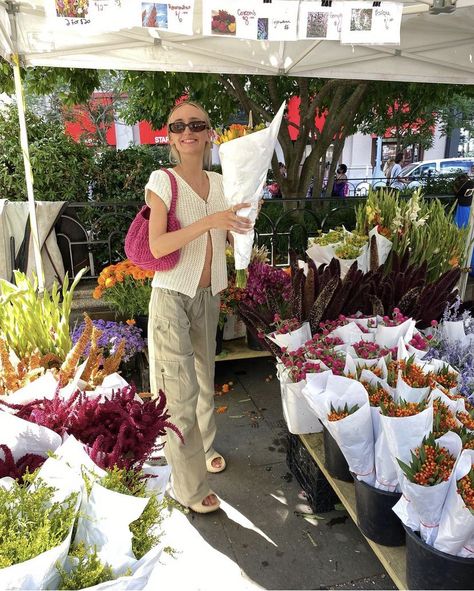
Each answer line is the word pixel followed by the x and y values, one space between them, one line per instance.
pixel 229 220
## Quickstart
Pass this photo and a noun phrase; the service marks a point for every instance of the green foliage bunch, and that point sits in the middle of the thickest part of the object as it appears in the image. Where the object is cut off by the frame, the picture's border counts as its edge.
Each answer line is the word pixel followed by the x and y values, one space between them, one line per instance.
pixel 88 569
pixel 31 522
pixel 33 321
pixel 61 167
pixel 122 175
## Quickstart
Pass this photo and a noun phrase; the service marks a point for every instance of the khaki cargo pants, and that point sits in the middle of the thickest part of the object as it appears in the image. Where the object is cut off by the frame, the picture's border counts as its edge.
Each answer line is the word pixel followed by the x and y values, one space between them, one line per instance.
pixel 182 347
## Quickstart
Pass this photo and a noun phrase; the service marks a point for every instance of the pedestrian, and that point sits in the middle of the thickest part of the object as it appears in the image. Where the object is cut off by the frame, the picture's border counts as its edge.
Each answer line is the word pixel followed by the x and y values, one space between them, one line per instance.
pixel 340 187
pixel 463 191
pixel 184 305
pixel 396 181
pixel 388 169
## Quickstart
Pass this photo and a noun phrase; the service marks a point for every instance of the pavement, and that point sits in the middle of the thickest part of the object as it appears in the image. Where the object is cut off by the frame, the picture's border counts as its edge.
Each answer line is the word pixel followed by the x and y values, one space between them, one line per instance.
pixel 266 526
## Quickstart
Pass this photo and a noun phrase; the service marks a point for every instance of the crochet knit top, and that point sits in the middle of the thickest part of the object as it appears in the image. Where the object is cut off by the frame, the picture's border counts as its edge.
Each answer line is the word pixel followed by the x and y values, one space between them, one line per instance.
pixel 184 277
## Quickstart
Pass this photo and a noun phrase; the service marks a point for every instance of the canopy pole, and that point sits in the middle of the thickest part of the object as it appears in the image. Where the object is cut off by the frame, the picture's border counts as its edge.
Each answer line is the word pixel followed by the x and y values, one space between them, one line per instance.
pixel 20 99
pixel 467 253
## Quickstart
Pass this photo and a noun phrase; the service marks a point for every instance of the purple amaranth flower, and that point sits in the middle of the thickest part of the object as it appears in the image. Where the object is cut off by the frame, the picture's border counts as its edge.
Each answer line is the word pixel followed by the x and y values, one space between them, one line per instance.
pixel 112 335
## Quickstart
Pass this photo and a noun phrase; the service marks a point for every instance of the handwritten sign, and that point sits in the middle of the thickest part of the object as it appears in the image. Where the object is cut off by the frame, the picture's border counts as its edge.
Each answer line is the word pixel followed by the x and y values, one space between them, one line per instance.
pixel 364 23
pixel 176 17
pixel 320 22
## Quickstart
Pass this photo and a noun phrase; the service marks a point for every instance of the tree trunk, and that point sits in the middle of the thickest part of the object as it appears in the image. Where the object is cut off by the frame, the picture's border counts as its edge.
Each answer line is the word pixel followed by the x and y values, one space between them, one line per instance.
pixel 338 147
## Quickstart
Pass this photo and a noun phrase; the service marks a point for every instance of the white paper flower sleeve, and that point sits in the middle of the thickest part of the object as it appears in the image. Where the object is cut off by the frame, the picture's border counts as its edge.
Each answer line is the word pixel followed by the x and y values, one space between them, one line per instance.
pixel 294 339
pixel 104 522
pixel 420 507
pixel 404 434
pixel 388 336
pixel 354 433
pixel 456 528
pixel 245 162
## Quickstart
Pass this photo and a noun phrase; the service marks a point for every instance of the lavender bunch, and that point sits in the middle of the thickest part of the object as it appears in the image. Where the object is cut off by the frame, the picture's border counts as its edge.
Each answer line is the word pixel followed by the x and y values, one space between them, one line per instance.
pixel 459 354
pixel 112 334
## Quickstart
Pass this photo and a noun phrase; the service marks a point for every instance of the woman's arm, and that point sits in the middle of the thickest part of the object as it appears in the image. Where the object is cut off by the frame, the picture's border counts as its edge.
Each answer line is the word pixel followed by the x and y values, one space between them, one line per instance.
pixel 163 242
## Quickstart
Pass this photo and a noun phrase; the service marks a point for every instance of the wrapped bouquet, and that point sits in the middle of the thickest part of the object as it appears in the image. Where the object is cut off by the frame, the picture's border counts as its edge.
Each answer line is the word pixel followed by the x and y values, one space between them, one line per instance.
pixel 245 161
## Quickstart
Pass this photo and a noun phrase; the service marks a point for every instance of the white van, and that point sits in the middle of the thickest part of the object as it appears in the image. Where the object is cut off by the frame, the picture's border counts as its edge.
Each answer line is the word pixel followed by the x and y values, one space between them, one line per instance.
pixel 417 172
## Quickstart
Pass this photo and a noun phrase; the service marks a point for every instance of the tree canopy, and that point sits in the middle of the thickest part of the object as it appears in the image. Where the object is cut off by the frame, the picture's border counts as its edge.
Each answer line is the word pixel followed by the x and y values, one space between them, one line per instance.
pixel 348 105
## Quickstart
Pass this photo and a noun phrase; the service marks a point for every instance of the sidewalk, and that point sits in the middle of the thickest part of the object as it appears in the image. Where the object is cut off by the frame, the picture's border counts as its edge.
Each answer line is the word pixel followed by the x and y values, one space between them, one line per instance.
pixel 266 526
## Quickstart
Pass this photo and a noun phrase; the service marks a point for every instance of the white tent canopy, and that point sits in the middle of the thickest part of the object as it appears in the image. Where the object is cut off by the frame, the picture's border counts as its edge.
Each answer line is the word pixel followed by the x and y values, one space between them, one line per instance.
pixel 434 48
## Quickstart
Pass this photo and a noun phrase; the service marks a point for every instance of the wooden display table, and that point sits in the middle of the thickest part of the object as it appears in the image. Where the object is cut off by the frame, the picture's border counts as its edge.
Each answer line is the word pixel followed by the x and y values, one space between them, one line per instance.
pixel 237 349
pixel 392 558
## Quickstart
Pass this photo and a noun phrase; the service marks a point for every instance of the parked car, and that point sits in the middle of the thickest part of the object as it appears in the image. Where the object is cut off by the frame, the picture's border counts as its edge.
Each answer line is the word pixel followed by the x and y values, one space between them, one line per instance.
pixel 417 172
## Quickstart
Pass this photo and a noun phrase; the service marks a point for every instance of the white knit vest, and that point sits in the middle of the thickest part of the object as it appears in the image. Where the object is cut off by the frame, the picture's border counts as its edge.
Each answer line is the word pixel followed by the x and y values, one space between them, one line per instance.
pixel 190 208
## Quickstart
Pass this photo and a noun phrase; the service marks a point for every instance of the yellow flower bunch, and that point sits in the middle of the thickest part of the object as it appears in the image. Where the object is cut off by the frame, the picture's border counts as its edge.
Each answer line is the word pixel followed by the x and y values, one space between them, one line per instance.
pixel 234 131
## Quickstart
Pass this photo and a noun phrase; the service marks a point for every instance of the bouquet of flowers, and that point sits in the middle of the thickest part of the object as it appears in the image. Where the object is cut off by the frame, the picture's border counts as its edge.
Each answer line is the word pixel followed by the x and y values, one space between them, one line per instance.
pixel 245 161
pixel 126 288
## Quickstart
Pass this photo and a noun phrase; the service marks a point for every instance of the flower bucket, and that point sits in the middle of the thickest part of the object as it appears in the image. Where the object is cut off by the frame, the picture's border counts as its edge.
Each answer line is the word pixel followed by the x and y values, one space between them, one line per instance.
pixel 299 416
pixel 219 339
pixel 335 462
pixel 142 323
pixel 375 517
pixel 253 342
pixel 428 568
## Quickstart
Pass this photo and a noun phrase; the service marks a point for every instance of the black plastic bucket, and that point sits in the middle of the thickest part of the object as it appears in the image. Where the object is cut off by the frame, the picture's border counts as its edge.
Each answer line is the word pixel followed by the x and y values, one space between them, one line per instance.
pixel 219 340
pixel 335 462
pixel 428 568
pixel 375 517
pixel 253 342
pixel 142 323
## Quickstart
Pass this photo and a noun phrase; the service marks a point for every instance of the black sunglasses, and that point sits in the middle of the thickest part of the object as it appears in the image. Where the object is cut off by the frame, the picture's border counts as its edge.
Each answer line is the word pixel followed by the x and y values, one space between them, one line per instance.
pixel 180 126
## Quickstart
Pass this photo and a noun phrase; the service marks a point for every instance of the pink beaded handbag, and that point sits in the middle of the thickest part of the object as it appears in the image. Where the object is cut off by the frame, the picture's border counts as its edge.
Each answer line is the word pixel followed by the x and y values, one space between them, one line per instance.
pixel 137 245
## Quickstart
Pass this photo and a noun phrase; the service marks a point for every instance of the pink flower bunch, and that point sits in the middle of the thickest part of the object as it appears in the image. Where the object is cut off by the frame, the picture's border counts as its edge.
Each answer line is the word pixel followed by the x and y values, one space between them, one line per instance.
pixel 366 350
pixel 396 319
pixel 311 352
pixel 285 326
pixel 421 342
pixel 298 372
pixel 323 340
pixel 330 325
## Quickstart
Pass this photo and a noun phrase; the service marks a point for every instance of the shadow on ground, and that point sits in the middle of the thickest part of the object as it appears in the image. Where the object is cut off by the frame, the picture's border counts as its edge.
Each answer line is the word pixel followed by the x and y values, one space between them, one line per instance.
pixel 266 525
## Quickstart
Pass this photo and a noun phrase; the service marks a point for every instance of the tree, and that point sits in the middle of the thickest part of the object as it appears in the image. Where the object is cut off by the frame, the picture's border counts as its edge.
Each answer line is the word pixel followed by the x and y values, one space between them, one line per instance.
pixel 62 167
pixel 348 105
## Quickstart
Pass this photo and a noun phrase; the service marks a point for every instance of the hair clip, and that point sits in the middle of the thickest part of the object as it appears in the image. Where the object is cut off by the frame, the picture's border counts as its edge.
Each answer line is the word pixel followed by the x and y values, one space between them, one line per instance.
pixel 376 4
pixel 326 3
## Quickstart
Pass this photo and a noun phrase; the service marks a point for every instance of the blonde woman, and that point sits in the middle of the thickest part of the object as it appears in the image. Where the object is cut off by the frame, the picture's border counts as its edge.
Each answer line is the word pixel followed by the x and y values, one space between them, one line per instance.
pixel 184 306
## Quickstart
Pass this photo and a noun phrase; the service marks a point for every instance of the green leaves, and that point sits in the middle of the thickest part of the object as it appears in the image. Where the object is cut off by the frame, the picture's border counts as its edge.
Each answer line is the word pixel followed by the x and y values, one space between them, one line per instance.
pixel 61 167
pixel 30 522
pixel 31 321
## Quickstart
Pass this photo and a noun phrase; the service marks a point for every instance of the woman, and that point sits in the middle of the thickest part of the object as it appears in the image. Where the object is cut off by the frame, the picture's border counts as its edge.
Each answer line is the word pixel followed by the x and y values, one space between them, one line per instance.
pixel 463 191
pixel 340 184
pixel 184 306
pixel 388 169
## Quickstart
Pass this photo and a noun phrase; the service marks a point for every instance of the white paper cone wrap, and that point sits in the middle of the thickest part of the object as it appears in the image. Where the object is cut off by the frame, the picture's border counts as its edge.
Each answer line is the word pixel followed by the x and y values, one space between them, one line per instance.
pixel 420 507
pixel 23 437
pixel 456 527
pixel 353 434
pixel 405 392
pixel 294 339
pixel 453 331
pixel 322 254
pixel 349 333
pixel 388 336
pixel 245 162
pixel 404 434
pixel 104 522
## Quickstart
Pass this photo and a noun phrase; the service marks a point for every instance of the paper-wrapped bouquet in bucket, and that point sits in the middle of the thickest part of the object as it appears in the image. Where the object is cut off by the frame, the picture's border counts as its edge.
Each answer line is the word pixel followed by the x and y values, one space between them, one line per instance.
pixel 245 161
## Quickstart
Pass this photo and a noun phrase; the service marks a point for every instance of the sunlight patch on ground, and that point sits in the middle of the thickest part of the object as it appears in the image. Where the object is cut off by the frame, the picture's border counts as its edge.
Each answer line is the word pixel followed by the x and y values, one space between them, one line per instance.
pixel 236 516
